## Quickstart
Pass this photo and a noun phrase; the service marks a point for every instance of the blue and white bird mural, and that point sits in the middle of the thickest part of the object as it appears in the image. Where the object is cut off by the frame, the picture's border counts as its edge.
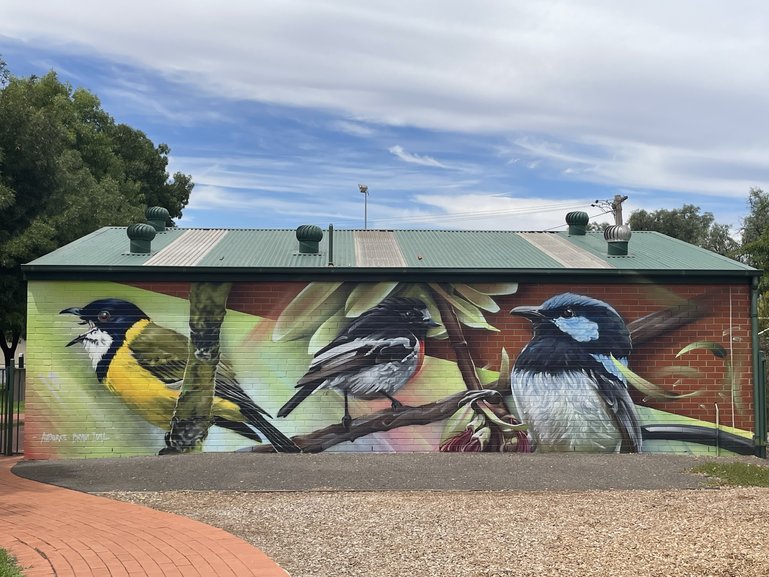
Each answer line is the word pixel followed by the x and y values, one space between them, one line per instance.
pixel 565 384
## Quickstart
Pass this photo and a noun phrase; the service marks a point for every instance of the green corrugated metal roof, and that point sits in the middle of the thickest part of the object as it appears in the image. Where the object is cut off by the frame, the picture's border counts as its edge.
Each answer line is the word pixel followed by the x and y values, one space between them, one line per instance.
pixel 470 249
pixel 357 250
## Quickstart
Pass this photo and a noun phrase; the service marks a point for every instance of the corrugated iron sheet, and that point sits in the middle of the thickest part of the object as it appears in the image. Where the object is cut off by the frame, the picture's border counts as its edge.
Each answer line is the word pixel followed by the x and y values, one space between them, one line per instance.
pixel 470 250
pixel 377 248
pixel 566 253
pixel 250 249
pixel 189 249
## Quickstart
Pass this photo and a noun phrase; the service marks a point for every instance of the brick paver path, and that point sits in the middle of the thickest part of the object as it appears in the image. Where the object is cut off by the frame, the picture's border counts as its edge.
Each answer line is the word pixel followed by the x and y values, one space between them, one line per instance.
pixel 62 533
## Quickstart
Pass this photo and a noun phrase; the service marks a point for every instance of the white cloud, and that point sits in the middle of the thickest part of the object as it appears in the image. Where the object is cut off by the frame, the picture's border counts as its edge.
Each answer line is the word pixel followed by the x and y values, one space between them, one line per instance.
pixel 654 94
pixel 484 212
pixel 717 172
pixel 353 128
pixel 415 158
pixel 236 203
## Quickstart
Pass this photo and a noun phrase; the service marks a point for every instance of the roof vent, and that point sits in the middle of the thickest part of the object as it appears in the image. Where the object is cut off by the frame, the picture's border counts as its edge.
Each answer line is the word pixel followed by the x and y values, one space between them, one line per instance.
pixel 157 216
pixel 141 235
pixel 309 237
pixel 577 222
pixel 618 237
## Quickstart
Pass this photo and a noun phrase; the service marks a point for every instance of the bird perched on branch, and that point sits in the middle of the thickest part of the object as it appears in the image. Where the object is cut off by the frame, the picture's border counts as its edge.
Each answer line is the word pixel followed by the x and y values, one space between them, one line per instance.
pixel 376 355
pixel 144 363
pixel 565 385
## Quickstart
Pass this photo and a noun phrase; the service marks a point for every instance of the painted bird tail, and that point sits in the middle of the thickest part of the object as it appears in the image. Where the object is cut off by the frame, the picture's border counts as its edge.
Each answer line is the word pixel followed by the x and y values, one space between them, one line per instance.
pixel 280 442
pixel 294 401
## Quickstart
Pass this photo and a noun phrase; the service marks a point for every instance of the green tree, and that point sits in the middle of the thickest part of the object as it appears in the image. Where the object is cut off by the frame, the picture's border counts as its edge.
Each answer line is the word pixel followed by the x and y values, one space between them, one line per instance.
pixel 598 226
pixel 755 252
pixel 687 224
pixel 66 169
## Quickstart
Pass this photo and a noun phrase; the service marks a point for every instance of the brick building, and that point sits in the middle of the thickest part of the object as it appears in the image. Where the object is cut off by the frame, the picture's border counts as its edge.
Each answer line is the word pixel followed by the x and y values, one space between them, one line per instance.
pixel 616 342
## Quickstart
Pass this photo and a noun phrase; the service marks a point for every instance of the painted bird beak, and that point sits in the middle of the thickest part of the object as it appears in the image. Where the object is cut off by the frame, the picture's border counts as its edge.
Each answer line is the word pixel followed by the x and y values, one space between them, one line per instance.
pixel 77 339
pixel 432 324
pixel 78 313
pixel 71 311
pixel 528 312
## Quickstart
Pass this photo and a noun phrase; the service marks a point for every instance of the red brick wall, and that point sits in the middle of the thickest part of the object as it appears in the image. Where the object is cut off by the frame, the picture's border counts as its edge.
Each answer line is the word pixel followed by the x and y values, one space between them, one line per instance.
pixel 70 413
pixel 728 309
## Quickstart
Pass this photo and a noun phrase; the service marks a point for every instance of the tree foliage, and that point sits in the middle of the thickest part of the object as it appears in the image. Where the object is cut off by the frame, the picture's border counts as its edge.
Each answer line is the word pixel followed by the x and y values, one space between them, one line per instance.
pixel 755 252
pixel 755 230
pixel 66 169
pixel 688 224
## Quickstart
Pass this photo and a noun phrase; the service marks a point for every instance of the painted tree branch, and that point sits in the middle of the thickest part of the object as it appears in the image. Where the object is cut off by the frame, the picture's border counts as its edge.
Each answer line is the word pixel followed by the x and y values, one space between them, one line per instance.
pixel 466 364
pixel 193 413
pixel 642 330
pixel 660 322
pixel 384 420
pixel 465 361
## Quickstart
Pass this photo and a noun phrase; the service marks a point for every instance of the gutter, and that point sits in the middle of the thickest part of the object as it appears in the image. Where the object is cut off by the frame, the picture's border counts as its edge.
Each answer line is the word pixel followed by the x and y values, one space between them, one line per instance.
pixel 759 386
pixel 115 272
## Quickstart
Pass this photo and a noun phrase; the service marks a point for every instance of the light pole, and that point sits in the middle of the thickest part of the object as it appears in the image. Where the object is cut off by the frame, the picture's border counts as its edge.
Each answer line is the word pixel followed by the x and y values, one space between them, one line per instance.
pixel 364 191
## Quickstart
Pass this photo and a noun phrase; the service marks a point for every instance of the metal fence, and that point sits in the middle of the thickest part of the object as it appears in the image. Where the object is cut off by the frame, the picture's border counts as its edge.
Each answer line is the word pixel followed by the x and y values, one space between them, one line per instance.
pixel 12 410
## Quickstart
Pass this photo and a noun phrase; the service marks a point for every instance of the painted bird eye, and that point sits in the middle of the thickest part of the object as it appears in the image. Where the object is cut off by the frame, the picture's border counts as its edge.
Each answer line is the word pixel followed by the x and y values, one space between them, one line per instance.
pixel 568 313
pixel 104 316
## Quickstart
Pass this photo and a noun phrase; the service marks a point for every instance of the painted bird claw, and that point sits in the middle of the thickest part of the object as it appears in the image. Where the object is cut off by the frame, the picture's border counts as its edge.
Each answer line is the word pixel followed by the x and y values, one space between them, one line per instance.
pixel 481 395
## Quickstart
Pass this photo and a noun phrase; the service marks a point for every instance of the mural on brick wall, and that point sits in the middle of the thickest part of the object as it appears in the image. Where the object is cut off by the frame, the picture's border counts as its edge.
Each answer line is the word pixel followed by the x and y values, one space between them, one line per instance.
pixel 117 369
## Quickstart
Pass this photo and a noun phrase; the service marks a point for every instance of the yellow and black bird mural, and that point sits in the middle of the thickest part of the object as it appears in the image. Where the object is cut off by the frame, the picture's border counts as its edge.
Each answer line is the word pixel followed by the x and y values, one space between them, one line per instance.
pixel 143 364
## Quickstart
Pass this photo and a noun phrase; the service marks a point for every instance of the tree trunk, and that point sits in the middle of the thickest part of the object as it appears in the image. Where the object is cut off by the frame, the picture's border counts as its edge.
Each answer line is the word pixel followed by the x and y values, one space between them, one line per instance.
pixel 193 413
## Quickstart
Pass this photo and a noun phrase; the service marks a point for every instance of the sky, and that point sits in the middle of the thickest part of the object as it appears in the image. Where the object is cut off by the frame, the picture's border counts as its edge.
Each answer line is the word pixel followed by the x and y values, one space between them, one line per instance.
pixel 455 114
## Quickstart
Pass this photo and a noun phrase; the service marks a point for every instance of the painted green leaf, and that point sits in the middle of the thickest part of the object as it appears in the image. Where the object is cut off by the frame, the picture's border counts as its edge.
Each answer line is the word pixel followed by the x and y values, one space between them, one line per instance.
pixel 478 298
pixel 301 318
pixel 367 295
pixel 467 313
pixel 496 288
pixel 505 427
pixel 648 388
pixel 715 348
pixel 678 371
pixel 439 333
pixel 504 371
pixel 419 291
pixel 477 321
pixel 732 383
pixel 457 422
pixel 327 332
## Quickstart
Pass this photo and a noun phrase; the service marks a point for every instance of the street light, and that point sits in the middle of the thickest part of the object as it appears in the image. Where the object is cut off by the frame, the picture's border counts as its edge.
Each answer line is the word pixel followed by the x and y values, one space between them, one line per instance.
pixel 364 191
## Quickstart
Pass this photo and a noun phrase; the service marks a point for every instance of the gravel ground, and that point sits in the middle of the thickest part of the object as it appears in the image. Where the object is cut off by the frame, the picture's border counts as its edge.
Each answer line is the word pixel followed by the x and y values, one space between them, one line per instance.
pixel 634 533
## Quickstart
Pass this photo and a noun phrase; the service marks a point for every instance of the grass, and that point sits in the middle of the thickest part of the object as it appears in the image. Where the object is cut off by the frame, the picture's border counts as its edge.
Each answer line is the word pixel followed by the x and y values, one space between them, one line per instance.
pixel 735 474
pixel 8 565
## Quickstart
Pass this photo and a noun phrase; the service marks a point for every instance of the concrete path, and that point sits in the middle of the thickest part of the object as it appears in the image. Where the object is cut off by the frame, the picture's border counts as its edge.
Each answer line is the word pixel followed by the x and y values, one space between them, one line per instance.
pixel 55 532
pixel 372 472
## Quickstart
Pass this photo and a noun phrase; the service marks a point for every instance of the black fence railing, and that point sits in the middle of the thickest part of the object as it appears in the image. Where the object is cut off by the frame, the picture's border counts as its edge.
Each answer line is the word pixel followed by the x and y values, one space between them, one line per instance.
pixel 12 410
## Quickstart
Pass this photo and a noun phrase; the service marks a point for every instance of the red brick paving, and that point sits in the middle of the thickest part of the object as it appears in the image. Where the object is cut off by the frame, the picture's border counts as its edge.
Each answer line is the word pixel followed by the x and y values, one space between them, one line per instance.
pixel 55 532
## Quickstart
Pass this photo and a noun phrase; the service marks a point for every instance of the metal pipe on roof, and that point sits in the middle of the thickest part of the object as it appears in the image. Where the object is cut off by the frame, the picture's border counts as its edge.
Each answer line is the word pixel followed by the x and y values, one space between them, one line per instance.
pixel 330 245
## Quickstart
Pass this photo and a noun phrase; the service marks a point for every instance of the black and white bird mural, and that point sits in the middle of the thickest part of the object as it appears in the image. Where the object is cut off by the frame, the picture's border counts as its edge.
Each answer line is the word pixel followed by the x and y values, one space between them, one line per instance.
pixel 376 355
pixel 565 384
